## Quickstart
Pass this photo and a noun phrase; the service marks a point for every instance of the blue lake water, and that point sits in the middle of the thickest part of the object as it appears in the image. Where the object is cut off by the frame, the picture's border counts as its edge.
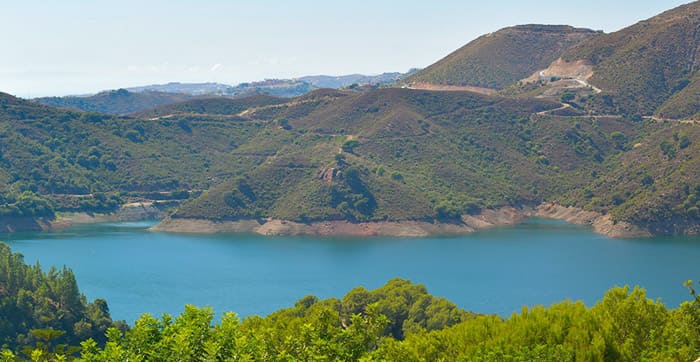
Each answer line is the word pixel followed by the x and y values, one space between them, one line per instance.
pixel 494 271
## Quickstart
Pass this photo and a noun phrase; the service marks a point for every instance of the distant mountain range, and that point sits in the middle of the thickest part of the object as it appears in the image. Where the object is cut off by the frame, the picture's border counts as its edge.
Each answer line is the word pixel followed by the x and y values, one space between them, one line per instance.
pixel 135 99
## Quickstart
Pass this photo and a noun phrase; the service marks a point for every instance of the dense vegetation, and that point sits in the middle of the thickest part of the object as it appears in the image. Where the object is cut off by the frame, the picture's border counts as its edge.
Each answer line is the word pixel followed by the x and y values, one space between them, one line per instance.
pixel 118 101
pixel 499 59
pixel 393 154
pixel 37 306
pixel 44 318
pixel 55 160
pixel 409 155
pixel 641 67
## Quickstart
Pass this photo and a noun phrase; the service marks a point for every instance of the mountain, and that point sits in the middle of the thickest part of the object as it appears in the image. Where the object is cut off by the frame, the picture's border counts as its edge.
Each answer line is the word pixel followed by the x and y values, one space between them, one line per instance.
pixel 120 101
pixel 648 68
pixel 498 59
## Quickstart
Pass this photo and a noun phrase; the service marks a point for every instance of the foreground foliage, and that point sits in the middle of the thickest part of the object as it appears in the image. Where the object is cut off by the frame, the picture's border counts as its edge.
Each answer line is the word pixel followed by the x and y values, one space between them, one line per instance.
pixel 37 307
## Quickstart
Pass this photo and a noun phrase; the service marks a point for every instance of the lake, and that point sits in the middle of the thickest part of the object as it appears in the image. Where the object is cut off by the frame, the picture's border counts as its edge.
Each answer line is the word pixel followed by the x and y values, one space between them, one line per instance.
pixel 493 271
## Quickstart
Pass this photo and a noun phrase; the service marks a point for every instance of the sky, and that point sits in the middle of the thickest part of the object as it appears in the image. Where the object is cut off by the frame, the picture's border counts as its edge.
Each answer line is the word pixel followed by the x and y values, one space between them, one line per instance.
pixel 60 47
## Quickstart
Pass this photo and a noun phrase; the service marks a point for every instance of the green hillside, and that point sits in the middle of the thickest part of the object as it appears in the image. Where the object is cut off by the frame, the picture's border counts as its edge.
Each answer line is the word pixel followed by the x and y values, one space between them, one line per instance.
pixel 389 154
pixel 641 67
pixel 410 155
pixel 499 59
pixel 118 101
pixel 54 160
pixel 654 184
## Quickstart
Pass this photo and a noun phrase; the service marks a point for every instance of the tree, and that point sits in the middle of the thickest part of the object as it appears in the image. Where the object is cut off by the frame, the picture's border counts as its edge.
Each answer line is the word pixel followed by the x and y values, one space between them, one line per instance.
pixel 350 145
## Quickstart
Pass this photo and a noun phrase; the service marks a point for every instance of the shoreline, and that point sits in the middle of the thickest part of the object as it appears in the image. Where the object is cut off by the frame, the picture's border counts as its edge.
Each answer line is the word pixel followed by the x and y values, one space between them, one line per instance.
pixel 136 211
pixel 601 224
pixel 487 219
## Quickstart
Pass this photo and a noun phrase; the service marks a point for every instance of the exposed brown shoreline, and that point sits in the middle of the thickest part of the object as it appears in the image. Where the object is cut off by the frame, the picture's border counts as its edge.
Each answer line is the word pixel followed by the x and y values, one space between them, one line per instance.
pixel 601 224
pixel 138 211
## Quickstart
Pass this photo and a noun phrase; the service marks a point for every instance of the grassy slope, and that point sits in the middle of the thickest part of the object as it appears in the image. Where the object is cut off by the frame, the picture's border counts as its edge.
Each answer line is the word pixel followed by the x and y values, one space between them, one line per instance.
pixel 642 66
pixel 499 59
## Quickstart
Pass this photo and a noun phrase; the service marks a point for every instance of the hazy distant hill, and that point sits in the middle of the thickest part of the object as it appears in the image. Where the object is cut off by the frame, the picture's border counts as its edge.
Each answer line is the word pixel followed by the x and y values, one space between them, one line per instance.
pixel 276 87
pixel 650 67
pixel 118 101
pixel 499 59
pixel 326 81
pixel 194 89
pixel 215 106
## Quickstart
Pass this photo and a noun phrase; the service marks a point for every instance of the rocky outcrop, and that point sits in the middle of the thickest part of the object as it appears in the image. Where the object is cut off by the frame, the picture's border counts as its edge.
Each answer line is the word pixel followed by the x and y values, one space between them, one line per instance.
pixel 330 174
pixel 602 224
pixel 493 218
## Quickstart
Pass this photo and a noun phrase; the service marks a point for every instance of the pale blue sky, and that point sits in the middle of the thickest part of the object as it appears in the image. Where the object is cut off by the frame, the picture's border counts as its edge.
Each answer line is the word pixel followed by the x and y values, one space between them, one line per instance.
pixel 58 47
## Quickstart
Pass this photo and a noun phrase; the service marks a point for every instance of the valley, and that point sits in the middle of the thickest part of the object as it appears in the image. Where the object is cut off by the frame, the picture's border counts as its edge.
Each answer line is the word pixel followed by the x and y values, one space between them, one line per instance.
pixel 541 179
pixel 518 119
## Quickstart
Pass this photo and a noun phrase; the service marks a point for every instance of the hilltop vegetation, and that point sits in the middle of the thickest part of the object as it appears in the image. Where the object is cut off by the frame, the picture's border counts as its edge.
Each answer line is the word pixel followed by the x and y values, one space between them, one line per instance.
pixel 499 59
pixel 44 318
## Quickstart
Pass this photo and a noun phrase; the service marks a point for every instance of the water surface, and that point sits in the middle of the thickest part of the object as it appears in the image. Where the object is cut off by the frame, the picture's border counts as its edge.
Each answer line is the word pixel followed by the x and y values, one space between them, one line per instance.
pixel 494 271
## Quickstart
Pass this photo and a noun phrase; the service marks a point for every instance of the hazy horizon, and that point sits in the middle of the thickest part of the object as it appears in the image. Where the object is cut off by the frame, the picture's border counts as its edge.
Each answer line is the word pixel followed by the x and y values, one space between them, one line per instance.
pixel 75 47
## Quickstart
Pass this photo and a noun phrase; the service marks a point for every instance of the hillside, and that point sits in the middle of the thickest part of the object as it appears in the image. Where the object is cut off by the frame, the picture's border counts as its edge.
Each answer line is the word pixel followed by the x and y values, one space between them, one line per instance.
pixel 211 106
pixel 57 160
pixel 395 155
pixel 398 154
pixel 648 68
pixel 118 101
pixel 498 59
pixel 386 155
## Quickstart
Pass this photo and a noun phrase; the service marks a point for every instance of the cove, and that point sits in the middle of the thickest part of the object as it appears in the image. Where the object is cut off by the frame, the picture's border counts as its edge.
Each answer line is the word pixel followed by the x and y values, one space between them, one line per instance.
pixel 493 271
